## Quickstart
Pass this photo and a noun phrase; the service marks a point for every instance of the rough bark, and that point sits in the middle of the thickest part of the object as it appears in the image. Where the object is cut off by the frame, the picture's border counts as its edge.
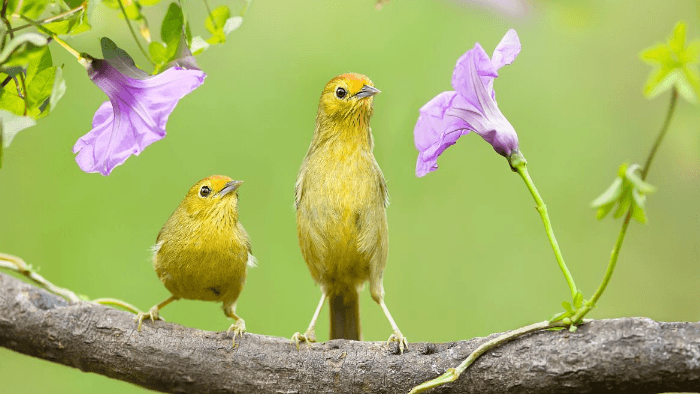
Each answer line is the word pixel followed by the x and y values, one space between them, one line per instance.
pixel 631 355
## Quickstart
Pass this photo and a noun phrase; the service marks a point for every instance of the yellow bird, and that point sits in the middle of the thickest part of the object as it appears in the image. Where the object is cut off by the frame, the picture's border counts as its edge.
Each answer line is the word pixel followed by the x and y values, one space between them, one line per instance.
pixel 341 200
pixel 202 252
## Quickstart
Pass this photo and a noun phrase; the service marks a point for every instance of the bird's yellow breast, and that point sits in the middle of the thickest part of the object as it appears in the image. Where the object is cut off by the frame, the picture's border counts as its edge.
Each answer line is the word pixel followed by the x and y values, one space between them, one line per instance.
pixel 200 260
pixel 341 214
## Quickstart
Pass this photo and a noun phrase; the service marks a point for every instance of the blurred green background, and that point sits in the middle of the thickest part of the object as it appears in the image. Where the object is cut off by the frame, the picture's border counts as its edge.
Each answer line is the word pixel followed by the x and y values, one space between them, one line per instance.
pixel 468 254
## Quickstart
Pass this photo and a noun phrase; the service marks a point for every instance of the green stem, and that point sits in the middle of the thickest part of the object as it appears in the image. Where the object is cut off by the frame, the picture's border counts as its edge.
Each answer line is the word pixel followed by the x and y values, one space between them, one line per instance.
pixel 3 12
pixel 520 166
pixel 133 33
pixel 590 304
pixel 23 96
pixel 662 133
pixel 54 18
pixel 53 35
pixel 18 265
pixel 116 302
pixel 452 374
pixel 213 21
pixel 24 91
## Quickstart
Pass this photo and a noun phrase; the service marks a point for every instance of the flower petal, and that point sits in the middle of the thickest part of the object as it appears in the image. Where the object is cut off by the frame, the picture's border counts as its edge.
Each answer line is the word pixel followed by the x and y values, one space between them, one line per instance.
pixel 461 78
pixel 119 59
pixel 495 128
pixel 507 50
pixel 435 131
pixel 135 116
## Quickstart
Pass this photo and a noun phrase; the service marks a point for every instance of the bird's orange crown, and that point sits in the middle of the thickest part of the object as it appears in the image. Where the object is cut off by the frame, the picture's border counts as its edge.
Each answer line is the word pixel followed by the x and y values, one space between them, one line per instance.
pixel 348 96
pixel 210 192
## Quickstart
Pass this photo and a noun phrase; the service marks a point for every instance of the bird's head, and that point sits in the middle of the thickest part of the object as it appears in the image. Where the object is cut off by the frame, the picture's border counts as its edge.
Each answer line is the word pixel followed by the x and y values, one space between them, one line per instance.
pixel 348 97
pixel 216 194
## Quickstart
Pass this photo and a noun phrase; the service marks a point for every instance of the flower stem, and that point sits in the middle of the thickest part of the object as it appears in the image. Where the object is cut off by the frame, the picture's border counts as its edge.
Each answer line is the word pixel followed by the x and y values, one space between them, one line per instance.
pixel 452 374
pixel 23 95
pixel 116 302
pixel 133 33
pixel 16 264
pixel 53 35
pixel 590 304
pixel 520 165
pixel 55 17
pixel 213 21
pixel 662 133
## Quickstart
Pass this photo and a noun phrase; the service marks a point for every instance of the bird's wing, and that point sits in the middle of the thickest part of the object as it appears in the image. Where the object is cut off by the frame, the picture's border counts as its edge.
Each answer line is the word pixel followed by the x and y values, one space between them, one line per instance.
pixel 298 186
pixel 383 190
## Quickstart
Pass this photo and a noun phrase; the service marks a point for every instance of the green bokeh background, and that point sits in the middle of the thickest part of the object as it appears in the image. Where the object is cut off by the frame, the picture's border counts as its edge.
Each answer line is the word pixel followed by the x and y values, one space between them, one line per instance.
pixel 468 255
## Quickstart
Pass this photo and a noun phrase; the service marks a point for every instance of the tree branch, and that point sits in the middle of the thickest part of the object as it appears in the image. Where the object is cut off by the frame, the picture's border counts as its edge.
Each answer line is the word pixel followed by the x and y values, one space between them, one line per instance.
pixel 632 355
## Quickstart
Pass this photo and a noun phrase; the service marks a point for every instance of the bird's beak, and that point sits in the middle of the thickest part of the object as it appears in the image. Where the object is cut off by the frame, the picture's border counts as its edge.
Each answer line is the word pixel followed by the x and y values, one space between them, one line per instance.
pixel 367 91
pixel 230 187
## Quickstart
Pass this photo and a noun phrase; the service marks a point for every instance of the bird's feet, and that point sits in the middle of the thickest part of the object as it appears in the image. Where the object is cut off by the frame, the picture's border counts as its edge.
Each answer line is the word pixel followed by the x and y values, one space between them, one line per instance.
pixel 238 329
pixel 397 336
pixel 151 314
pixel 308 337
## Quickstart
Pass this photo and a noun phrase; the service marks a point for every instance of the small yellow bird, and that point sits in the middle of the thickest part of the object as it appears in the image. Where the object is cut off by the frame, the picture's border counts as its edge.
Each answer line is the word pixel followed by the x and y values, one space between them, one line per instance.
pixel 341 200
pixel 202 252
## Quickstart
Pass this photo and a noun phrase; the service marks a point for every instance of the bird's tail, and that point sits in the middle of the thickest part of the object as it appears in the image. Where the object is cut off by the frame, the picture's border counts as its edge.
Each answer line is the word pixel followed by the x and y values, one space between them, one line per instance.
pixel 345 315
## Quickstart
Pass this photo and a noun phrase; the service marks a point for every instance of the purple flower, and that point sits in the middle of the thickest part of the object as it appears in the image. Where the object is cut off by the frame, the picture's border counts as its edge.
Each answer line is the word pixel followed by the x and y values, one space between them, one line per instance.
pixel 471 107
pixel 138 108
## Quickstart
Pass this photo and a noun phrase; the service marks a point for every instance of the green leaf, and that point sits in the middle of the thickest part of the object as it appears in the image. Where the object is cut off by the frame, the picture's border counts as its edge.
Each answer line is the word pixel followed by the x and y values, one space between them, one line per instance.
pixel 216 20
pixel 673 66
pixel 92 5
pixel 10 101
pixel 558 316
pixel 133 11
pixel 627 193
pixel 75 3
pixel 198 45
pixel 567 306
pixel 604 210
pixel 636 181
pixel 32 9
pixel 611 194
pixel 158 52
pixel 638 207
pixel 113 4
pixel 624 205
pixel 45 61
pixel 578 300
pixel 40 88
pixel 77 23
pixel 232 24
pixel 149 2
pixel 32 58
pixel 171 29
pixel 220 23
pixel 677 41
pixel 11 124
pixel 17 42
pixel 59 88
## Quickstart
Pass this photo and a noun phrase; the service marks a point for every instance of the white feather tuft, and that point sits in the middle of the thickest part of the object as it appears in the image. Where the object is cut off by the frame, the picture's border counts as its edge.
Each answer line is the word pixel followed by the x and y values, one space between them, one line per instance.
pixel 155 248
pixel 252 261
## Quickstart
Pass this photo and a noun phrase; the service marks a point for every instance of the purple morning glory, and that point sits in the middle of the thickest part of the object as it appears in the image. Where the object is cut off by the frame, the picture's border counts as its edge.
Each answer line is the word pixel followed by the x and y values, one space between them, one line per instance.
pixel 138 108
pixel 471 107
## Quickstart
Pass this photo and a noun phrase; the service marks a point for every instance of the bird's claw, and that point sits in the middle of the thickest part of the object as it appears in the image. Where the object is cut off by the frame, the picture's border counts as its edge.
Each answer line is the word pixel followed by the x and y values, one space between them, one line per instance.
pixel 238 329
pixel 397 336
pixel 308 337
pixel 151 314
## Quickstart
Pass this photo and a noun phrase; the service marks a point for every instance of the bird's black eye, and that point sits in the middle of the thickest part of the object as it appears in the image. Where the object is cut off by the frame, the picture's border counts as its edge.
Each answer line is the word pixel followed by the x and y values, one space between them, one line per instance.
pixel 340 93
pixel 204 191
